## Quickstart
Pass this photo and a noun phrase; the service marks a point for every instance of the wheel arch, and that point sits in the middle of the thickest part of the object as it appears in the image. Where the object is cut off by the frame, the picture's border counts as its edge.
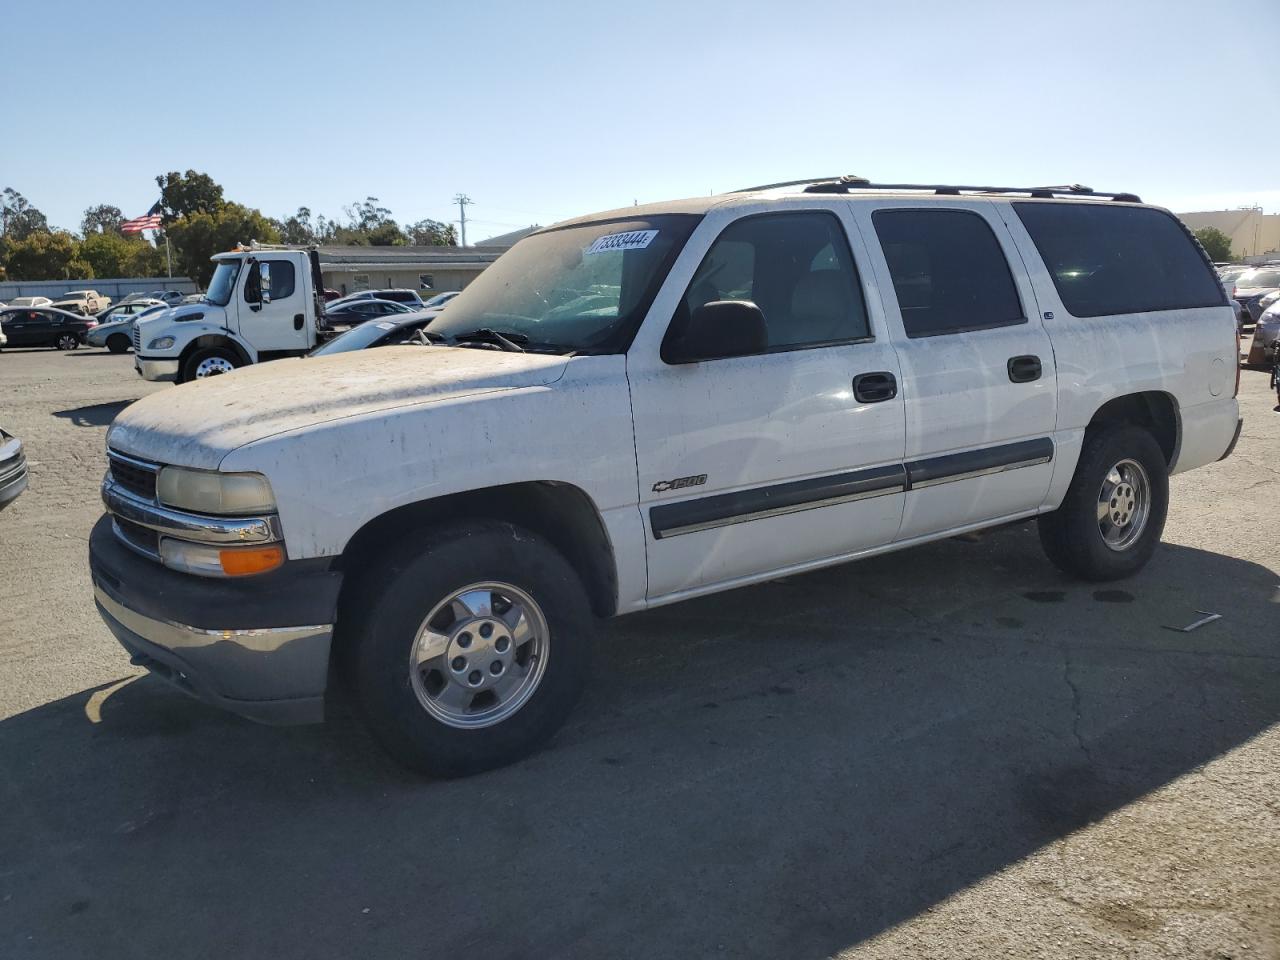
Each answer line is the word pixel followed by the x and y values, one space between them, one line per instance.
pixel 561 513
pixel 206 340
pixel 1154 411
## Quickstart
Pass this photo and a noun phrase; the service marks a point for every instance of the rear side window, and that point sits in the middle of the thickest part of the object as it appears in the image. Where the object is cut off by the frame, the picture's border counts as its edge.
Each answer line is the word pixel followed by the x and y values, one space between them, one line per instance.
pixel 948 271
pixel 1111 259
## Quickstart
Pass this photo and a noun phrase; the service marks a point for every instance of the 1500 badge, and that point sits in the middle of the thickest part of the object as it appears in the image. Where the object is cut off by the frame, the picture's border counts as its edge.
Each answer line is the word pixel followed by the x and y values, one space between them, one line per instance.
pixel 665 486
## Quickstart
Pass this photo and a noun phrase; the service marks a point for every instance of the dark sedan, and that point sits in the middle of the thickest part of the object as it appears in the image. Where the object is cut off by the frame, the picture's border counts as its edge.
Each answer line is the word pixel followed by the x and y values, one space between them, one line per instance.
pixel 386 332
pixel 351 312
pixel 44 327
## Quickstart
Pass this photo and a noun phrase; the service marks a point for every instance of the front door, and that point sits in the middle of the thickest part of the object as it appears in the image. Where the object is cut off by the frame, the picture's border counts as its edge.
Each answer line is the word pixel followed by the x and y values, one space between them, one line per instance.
pixel 281 324
pixel 982 389
pixel 754 464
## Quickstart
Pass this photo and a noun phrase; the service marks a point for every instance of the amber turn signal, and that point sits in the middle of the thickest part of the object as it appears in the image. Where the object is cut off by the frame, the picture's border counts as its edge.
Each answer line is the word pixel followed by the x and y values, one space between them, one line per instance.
pixel 243 562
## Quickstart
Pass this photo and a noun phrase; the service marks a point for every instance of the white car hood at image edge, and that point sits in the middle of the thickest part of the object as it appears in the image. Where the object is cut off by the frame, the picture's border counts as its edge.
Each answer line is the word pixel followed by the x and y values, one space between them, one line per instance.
pixel 199 423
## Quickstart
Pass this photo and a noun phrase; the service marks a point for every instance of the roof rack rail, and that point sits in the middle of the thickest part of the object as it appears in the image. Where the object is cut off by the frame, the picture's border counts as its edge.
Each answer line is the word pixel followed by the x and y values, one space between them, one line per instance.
pixel 847 184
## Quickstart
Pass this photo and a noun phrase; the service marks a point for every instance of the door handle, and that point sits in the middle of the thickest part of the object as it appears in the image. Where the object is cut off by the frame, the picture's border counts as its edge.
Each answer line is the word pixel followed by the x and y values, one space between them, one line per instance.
pixel 297 321
pixel 875 387
pixel 1024 369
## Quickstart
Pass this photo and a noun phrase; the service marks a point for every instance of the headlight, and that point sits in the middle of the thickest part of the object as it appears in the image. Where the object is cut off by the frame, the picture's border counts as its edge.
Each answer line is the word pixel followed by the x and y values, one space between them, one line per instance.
pixel 160 343
pixel 207 491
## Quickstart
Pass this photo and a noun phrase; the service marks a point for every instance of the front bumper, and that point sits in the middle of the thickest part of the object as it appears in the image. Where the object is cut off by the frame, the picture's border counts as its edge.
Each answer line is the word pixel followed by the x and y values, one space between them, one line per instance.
pixel 13 469
pixel 258 647
pixel 159 370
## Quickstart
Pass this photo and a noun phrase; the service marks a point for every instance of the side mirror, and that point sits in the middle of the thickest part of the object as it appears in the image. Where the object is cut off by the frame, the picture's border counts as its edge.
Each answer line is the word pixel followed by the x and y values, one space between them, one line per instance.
pixel 264 281
pixel 717 330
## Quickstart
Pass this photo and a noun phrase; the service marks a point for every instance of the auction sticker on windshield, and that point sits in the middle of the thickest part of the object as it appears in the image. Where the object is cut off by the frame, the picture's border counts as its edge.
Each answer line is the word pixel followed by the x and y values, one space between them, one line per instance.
pixel 634 240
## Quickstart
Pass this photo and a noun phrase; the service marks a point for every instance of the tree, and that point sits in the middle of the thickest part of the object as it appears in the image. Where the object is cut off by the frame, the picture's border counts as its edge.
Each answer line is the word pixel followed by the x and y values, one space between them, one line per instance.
pixel 182 195
pixel 103 218
pixel 47 256
pixel 432 233
pixel 113 255
pixel 18 218
pixel 298 228
pixel 1216 243
pixel 198 236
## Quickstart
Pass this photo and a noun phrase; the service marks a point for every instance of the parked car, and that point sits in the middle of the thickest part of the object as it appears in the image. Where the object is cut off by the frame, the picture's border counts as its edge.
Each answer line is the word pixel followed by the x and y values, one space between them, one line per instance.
pixel 44 327
pixel 742 412
pixel 30 302
pixel 331 295
pixel 85 302
pixel 440 299
pixel 171 297
pixel 117 335
pixel 1252 286
pixel 128 307
pixel 340 313
pixel 390 330
pixel 13 469
pixel 1265 349
pixel 409 298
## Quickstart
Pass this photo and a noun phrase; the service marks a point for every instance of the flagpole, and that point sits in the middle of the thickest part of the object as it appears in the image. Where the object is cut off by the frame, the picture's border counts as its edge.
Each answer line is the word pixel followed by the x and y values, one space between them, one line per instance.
pixel 167 259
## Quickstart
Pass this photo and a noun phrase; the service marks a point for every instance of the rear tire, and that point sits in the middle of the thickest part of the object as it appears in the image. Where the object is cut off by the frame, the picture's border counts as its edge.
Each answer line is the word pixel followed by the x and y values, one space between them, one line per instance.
pixel 209 362
pixel 117 343
pixel 67 341
pixel 1112 517
pixel 446 691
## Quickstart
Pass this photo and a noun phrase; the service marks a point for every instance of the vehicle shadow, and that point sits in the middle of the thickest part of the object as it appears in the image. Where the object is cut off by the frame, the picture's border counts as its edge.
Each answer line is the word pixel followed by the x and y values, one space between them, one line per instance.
pixel 786 770
pixel 95 414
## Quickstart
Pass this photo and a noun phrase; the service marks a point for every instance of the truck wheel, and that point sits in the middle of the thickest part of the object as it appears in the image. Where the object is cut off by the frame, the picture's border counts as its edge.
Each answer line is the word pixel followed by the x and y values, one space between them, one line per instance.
pixel 209 362
pixel 472 649
pixel 117 343
pixel 1113 514
pixel 67 341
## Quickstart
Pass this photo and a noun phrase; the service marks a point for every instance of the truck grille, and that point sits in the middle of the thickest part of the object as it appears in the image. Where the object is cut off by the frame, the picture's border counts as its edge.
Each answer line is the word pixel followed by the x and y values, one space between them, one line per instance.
pixel 136 476
pixel 137 338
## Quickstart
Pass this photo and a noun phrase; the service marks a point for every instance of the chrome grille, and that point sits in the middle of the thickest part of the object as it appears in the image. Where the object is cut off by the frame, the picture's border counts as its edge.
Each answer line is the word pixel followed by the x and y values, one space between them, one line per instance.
pixel 136 476
pixel 137 338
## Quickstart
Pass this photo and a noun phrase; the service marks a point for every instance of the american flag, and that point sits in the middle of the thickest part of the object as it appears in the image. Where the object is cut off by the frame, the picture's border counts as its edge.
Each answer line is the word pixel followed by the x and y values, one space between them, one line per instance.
pixel 150 221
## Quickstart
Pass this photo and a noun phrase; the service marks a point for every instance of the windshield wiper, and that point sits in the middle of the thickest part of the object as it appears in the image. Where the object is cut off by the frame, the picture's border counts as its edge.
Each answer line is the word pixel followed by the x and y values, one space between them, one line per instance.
pixel 510 342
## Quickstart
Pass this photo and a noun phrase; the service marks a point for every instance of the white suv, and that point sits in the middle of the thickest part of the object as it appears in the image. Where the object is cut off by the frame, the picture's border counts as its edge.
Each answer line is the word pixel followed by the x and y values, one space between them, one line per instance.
pixel 655 403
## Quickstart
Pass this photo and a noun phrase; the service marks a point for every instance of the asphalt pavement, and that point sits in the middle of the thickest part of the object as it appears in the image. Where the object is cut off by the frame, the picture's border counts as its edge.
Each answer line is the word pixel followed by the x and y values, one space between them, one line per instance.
pixel 952 751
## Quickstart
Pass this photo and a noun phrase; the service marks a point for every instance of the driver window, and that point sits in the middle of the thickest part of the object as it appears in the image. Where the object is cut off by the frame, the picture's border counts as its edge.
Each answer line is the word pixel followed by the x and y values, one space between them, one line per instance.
pixel 282 283
pixel 796 267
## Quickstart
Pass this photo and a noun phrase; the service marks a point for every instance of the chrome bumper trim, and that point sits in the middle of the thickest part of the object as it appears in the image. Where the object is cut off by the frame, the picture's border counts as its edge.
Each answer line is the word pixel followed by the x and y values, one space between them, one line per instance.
pixel 158 370
pixel 177 636
pixel 188 526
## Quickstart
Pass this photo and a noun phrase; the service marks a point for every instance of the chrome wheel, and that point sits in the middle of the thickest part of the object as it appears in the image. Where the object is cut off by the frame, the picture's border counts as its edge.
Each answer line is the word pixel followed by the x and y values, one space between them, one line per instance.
pixel 212 366
pixel 67 342
pixel 1124 504
pixel 479 655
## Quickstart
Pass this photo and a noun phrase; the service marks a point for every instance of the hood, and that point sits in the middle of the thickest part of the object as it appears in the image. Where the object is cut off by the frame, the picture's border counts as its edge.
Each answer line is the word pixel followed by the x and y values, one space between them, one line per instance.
pixel 197 424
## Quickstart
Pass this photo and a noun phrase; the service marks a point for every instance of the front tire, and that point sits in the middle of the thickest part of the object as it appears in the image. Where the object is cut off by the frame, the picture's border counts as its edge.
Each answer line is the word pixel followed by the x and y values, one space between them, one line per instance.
pixel 1111 519
pixel 117 343
pixel 209 362
pixel 67 341
pixel 472 648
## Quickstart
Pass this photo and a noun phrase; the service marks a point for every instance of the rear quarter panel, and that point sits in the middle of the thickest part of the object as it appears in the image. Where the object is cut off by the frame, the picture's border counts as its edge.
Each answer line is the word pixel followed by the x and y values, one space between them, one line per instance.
pixel 1189 354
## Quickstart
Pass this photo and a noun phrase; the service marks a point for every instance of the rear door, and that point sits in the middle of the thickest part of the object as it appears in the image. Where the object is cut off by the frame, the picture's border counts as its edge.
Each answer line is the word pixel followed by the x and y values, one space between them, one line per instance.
pixel 761 463
pixel 977 365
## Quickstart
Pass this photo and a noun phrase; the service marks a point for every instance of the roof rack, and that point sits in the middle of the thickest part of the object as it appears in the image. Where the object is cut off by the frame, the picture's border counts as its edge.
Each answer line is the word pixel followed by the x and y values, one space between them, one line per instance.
pixel 848 183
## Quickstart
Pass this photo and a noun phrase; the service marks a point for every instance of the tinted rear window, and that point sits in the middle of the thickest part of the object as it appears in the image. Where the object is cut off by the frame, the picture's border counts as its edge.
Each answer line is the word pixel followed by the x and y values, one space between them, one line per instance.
pixel 1110 259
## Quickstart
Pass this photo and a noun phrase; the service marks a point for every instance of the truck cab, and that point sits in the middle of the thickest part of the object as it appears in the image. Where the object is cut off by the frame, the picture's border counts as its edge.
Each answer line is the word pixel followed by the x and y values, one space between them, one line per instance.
pixel 262 303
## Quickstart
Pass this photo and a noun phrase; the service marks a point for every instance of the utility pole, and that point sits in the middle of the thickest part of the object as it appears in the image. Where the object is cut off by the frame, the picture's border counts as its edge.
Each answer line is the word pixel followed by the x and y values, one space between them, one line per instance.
pixel 462 200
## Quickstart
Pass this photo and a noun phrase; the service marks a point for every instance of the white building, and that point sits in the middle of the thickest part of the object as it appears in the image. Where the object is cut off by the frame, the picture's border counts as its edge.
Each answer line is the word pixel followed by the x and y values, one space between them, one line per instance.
pixel 1254 235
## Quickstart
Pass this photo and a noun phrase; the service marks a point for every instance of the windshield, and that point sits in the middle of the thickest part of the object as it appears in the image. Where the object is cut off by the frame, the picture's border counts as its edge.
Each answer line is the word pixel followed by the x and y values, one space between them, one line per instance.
pixel 582 288
pixel 1259 278
pixel 223 283
pixel 357 338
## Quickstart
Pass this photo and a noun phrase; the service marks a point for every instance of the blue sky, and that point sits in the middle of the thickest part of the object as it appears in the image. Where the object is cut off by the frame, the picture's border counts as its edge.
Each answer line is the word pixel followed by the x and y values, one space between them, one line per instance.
pixel 541 111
